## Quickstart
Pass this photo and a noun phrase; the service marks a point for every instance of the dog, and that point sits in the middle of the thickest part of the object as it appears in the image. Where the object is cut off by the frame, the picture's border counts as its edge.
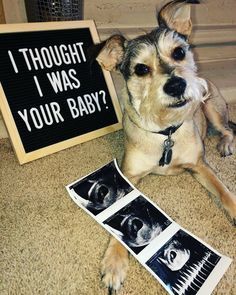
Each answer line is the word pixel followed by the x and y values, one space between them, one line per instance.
pixel 137 224
pixel 166 109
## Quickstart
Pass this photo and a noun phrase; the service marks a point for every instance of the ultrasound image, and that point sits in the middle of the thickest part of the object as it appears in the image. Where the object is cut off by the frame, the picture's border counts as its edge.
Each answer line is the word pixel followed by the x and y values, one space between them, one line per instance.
pixel 183 264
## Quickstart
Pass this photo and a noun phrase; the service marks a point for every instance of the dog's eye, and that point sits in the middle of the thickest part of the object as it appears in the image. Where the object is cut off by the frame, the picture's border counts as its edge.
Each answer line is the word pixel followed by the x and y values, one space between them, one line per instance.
pixel 141 69
pixel 178 53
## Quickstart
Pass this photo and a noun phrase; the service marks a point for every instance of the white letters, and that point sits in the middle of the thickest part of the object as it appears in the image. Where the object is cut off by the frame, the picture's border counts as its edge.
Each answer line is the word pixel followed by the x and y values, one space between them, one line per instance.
pixel 45 114
pixel 38 123
pixel 72 74
pixel 13 61
pixel 36 58
pixel 82 106
pixel 56 112
pixel 61 81
pixel 73 109
pixel 49 114
pixel 25 118
pixel 95 97
pixel 38 86
pixel 80 44
pixel 86 104
pixel 24 50
pixel 55 81
pixel 56 57
pixel 47 57
pixel 89 103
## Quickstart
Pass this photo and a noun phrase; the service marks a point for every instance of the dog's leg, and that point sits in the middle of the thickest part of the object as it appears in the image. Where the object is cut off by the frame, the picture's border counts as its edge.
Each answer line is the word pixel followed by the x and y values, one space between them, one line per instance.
pixel 114 265
pixel 215 109
pixel 136 164
pixel 115 261
pixel 205 175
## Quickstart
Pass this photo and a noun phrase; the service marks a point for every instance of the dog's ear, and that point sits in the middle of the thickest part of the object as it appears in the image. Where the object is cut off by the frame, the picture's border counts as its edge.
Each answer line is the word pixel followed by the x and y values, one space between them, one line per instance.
pixel 176 16
pixel 109 53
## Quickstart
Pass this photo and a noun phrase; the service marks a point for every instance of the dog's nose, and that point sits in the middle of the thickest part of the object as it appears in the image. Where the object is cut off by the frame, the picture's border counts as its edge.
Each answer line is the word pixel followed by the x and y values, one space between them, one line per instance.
pixel 175 86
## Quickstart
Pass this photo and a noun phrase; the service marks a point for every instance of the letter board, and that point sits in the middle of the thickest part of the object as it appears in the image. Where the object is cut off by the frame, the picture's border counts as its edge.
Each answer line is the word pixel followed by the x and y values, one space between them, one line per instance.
pixel 52 96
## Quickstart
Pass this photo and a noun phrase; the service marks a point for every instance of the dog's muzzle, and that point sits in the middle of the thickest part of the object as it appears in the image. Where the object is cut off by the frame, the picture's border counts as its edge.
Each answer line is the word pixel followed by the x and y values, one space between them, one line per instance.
pixel 175 87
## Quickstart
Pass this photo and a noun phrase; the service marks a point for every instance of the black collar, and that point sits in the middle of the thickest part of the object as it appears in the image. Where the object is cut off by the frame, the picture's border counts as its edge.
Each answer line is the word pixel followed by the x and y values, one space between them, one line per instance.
pixel 169 130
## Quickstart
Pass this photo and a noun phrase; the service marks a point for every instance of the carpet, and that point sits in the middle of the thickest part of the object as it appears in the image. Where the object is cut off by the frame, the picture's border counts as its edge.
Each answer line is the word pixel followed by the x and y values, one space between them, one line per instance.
pixel 48 245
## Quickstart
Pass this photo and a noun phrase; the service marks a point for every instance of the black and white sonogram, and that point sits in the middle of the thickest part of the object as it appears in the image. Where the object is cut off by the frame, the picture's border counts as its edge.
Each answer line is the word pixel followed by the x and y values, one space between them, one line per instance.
pixel 183 264
pixel 100 189
pixel 137 223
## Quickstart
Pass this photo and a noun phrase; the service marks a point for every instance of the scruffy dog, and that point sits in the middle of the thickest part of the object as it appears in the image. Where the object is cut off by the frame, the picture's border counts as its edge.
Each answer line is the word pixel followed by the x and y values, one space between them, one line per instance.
pixel 166 106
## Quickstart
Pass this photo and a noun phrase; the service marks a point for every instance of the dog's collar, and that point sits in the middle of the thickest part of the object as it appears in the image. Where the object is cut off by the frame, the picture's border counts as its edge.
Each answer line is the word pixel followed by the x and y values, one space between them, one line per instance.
pixel 168 143
pixel 169 130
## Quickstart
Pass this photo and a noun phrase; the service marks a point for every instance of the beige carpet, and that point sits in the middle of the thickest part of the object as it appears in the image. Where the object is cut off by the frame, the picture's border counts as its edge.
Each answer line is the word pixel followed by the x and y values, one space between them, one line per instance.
pixel 50 246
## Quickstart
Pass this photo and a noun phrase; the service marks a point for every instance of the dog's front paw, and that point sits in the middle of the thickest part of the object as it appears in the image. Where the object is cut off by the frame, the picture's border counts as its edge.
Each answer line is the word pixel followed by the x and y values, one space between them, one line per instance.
pixel 114 266
pixel 226 146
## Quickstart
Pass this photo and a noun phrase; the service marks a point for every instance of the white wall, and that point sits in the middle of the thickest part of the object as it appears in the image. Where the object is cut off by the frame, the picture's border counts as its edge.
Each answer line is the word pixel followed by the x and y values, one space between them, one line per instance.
pixel 135 13
pixel 140 13
pixel 215 19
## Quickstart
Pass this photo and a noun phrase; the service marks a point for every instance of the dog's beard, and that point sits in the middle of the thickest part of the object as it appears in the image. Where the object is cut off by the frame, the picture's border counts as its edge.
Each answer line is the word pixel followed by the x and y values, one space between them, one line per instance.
pixel 196 91
pixel 175 110
pixel 152 109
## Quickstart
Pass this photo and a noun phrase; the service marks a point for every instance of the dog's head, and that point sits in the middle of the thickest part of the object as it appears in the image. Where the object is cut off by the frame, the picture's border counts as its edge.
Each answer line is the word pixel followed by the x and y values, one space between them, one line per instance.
pixel 162 87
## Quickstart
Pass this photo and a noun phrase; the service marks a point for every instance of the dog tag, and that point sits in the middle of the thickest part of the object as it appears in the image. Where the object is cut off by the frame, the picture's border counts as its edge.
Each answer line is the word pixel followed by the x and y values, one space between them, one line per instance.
pixel 167 152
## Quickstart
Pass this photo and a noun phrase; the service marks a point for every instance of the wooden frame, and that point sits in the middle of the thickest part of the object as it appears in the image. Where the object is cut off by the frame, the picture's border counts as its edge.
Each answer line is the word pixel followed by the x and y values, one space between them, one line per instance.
pixel 14 135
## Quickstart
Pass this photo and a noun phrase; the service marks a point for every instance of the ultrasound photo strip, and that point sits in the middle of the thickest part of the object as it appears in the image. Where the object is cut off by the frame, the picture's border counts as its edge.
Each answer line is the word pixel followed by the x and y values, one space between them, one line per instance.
pixel 181 262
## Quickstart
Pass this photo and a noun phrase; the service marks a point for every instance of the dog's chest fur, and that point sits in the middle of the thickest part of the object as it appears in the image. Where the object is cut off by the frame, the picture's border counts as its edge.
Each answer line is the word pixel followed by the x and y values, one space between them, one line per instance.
pixel 148 147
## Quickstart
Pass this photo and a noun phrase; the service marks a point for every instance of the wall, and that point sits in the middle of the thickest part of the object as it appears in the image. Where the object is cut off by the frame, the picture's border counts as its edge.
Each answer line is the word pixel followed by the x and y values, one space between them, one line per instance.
pixel 214 31
pixel 2 16
pixel 14 11
pixel 135 13
pixel 214 22
pixel 139 13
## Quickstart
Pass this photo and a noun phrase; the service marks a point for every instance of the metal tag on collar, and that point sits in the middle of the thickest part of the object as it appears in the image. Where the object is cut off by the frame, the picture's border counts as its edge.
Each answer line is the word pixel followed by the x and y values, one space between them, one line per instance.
pixel 167 152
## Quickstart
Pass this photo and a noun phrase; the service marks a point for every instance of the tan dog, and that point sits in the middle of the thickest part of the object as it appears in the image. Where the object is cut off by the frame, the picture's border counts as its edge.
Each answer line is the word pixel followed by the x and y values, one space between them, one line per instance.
pixel 165 109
